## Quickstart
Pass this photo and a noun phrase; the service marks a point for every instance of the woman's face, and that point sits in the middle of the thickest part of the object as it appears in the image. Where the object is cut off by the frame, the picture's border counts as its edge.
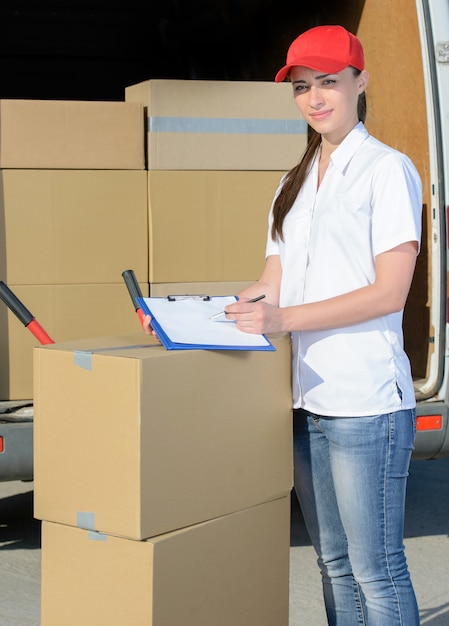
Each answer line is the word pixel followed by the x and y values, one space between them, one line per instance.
pixel 328 102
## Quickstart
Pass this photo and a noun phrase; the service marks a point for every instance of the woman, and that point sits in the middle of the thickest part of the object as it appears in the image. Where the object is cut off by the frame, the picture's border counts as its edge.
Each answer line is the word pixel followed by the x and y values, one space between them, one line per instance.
pixel 344 233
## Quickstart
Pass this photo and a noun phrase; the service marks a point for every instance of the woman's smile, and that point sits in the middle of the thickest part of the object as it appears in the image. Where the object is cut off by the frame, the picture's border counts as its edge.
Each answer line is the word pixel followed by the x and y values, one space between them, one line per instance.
pixel 320 115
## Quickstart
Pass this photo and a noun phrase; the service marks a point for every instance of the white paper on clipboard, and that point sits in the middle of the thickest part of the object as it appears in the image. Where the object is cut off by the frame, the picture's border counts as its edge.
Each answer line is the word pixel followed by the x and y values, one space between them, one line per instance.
pixel 185 323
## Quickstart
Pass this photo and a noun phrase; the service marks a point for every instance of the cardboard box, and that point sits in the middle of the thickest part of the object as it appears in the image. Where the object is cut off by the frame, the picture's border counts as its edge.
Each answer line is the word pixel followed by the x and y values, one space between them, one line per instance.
pixel 66 312
pixel 71 135
pixel 134 440
pixel 220 125
pixel 72 226
pixel 232 571
pixel 209 226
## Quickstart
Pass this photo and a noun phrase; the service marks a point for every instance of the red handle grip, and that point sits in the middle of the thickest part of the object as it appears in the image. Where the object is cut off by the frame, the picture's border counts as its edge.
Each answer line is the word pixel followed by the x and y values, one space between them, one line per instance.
pixel 23 314
pixel 39 333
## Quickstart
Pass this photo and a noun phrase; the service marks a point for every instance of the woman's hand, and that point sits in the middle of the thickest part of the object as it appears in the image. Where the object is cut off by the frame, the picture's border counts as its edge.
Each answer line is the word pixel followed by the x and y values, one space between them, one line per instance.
pixel 263 316
pixel 255 317
pixel 147 328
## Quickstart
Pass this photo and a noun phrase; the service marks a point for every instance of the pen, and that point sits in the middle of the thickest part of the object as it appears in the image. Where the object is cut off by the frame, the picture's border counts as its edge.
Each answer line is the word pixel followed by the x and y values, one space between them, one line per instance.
pixel 257 299
pixel 224 312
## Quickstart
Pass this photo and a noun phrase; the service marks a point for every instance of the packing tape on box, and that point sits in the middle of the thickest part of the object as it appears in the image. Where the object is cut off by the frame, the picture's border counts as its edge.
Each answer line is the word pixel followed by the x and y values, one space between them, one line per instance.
pixel 228 126
pixel 94 535
pixel 85 520
pixel 83 358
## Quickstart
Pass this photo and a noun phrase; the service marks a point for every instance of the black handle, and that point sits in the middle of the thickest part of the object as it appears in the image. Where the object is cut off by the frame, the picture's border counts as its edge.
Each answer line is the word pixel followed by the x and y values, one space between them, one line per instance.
pixel 133 287
pixel 16 306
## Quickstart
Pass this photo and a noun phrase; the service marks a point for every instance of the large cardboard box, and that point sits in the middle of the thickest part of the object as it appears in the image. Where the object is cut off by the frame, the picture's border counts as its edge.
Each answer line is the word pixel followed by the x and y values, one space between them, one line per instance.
pixel 220 125
pixel 232 571
pixel 72 226
pixel 66 312
pixel 71 134
pixel 134 440
pixel 209 226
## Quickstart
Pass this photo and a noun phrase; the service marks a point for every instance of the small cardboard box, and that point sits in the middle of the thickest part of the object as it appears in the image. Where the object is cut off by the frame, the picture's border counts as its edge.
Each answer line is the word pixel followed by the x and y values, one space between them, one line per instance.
pixel 71 135
pixel 72 226
pixel 208 226
pixel 232 571
pixel 220 125
pixel 134 440
pixel 66 312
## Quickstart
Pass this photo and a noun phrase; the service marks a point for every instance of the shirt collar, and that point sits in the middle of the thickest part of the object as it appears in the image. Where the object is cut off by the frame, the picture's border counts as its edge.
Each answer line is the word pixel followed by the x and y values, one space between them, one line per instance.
pixel 341 156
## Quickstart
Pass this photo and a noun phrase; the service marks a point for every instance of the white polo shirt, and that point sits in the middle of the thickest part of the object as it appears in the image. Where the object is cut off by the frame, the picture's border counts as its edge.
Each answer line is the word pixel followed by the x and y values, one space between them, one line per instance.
pixel 369 201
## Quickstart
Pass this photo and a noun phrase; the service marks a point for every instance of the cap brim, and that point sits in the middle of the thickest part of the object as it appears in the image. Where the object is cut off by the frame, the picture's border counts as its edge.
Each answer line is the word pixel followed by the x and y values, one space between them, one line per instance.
pixel 328 66
pixel 282 74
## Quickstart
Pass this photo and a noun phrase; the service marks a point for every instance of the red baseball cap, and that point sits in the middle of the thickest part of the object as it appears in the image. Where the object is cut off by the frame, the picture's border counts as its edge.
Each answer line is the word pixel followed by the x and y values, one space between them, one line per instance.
pixel 324 48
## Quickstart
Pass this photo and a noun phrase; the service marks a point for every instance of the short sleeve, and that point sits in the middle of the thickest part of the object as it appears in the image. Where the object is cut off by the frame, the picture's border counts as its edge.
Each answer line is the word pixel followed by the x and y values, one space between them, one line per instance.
pixel 397 203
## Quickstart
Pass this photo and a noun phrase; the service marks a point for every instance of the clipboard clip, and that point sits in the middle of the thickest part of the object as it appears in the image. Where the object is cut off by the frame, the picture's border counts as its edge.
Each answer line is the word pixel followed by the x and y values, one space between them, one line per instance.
pixel 187 296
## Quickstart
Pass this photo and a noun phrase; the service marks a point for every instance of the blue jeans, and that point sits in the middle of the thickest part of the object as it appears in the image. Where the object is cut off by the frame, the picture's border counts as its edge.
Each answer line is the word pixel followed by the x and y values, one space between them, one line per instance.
pixel 350 478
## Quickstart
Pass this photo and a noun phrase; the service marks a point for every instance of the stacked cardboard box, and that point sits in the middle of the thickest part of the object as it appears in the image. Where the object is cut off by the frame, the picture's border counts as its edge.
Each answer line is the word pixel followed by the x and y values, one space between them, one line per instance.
pixel 162 479
pixel 216 152
pixel 73 216
pixel 78 206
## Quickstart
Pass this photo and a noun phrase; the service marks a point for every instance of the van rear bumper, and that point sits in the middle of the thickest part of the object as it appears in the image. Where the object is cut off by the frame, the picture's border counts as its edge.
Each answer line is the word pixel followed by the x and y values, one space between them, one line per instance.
pixel 432 435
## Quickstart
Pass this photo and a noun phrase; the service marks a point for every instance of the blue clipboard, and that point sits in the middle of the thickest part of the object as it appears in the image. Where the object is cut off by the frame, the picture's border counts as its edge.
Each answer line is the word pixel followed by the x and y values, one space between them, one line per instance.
pixel 183 323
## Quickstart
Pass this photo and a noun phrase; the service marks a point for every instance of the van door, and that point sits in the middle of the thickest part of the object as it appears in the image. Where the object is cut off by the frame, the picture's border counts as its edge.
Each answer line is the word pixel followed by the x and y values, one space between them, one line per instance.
pixel 432 391
pixel 433 20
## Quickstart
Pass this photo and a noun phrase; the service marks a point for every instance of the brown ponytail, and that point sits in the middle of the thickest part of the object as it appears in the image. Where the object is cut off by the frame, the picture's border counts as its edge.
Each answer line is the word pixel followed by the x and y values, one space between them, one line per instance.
pixel 295 178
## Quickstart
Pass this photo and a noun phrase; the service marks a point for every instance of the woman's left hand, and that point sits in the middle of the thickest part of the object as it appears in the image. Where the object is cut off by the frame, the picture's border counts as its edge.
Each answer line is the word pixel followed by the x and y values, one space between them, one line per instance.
pixel 147 328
